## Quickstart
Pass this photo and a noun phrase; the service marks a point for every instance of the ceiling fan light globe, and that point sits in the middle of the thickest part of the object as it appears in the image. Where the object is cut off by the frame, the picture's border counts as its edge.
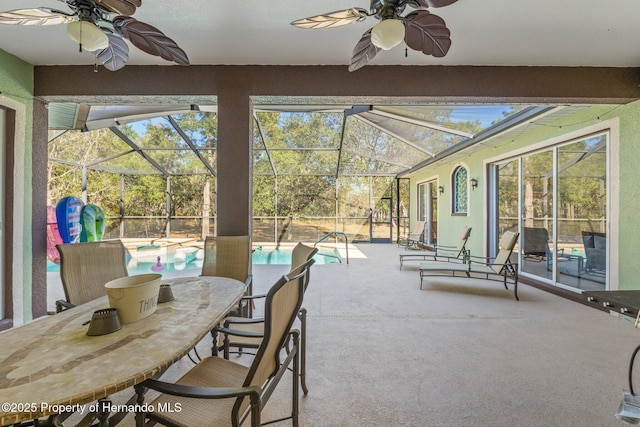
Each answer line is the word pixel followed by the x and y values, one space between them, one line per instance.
pixel 88 35
pixel 387 34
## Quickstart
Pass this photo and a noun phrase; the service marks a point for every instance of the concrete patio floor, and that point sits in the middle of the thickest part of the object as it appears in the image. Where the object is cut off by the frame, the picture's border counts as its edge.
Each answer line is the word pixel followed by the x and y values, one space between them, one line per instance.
pixel 459 352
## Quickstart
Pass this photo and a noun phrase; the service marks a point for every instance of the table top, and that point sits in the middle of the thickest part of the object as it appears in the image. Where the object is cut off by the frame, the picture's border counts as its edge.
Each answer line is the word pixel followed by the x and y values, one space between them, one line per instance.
pixel 52 361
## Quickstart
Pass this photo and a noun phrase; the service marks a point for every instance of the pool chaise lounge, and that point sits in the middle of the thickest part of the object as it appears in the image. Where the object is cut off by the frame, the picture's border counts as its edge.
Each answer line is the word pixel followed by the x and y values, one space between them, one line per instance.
pixel 440 252
pixel 499 269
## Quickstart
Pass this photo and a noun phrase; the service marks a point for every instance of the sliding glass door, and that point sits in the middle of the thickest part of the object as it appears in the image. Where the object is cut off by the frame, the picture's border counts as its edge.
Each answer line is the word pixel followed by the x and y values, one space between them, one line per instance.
pixel 582 213
pixel 537 213
pixel 557 199
pixel 428 210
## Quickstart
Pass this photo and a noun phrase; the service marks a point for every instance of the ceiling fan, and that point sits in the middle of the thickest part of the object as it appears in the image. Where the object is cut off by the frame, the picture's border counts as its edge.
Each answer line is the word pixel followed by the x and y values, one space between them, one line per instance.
pixel 421 30
pixel 101 26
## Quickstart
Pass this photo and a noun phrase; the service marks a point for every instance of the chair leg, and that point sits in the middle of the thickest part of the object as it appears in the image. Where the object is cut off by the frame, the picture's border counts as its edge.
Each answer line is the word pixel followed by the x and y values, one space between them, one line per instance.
pixel 140 415
pixel 303 349
pixel 295 386
pixel 214 348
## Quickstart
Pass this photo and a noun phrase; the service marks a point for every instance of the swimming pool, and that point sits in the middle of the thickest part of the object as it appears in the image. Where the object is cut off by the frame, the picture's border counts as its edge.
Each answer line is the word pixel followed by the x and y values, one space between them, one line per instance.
pixel 192 259
pixel 272 255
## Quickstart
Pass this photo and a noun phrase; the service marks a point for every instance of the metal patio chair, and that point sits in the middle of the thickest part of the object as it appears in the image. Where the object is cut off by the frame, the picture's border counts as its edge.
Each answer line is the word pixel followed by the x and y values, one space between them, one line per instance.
pixel 86 267
pixel 220 392
pixel 241 333
pixel 230 256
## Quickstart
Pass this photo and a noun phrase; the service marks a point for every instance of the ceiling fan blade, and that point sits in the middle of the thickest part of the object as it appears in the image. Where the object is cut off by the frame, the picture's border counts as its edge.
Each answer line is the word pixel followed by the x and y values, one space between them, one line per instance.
pixel 150 39
pixel 39 16
pixel 114 56
pixel 431 3
pixel 122 7
pixel 332 19
pixel 364 52
pixel 427 33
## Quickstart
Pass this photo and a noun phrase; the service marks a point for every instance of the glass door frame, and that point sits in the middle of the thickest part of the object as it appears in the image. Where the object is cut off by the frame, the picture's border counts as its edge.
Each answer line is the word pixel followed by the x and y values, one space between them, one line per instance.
pixel 387 223
pixel 492 168
pixel 427 210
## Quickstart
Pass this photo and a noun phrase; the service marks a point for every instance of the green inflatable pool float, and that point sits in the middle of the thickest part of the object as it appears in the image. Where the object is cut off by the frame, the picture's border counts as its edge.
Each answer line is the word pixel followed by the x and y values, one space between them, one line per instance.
pixel 92 220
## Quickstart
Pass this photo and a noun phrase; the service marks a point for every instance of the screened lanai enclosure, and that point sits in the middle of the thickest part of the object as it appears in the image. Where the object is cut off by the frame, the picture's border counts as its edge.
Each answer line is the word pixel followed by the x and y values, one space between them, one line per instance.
pixel 316 168
pixel 344 171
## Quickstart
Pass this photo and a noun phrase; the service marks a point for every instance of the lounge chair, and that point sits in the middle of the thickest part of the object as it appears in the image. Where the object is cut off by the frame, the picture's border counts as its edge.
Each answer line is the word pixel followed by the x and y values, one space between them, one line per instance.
pixel 415 237
pixel 441 252
pixel 500 266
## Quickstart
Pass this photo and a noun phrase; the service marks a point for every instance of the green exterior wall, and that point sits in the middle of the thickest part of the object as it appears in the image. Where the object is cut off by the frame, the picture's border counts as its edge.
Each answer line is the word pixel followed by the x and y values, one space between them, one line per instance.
pixel 16 87
pixel 629 224
pixel 628 173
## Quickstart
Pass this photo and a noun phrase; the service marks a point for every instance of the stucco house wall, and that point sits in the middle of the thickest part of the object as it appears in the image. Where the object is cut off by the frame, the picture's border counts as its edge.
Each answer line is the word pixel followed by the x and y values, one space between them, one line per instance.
pixel 16 97
pixel 623 123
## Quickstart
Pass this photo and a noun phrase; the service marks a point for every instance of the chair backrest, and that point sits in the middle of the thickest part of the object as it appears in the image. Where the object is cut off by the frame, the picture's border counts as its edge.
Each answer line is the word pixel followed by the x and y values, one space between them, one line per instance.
pixel 227 256
pixel 86 267
pixel 536 241
pixel 463 236
pixel 507 243
pixel 282 303
pixel 300 255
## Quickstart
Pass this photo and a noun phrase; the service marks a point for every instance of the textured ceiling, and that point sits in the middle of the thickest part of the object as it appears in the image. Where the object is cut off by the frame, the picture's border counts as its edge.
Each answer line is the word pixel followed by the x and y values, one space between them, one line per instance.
pixel 488 32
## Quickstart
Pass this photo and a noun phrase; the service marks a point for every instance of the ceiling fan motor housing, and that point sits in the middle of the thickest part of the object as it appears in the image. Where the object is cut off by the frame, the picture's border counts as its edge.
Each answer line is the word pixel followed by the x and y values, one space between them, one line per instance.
pixel 387 9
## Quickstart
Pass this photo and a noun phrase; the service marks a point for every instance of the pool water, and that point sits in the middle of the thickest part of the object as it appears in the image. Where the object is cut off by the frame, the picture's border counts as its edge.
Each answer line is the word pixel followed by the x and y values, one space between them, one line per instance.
pixel 192 260
pixel 282 256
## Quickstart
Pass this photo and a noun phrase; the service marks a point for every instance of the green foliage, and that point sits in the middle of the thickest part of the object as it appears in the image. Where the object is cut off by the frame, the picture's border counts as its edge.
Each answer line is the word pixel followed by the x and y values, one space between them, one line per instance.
pixel 581 186
pixel 303 163
pixel 107 158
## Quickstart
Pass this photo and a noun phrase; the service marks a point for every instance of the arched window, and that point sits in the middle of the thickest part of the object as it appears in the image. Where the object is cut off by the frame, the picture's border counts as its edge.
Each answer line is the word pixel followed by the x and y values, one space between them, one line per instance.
pixel 460 195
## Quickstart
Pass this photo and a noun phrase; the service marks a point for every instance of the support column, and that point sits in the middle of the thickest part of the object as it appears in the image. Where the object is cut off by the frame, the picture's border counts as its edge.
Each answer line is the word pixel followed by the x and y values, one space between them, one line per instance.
pixel 235 158
pixel 39 160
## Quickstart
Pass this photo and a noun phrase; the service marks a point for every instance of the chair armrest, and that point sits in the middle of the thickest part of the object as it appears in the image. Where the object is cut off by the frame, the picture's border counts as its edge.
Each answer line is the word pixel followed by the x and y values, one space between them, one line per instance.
pixel 242 321
pixel 443 247
pixel 249 297
pixel 63 305
pixel 475 259
pixel 505 265
pixel 239 333
pixel 201 392
pixel 248 281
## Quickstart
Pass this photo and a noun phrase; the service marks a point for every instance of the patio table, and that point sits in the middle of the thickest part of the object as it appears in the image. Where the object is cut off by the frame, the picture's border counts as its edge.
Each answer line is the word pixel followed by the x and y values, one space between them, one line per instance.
pixel 50 365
